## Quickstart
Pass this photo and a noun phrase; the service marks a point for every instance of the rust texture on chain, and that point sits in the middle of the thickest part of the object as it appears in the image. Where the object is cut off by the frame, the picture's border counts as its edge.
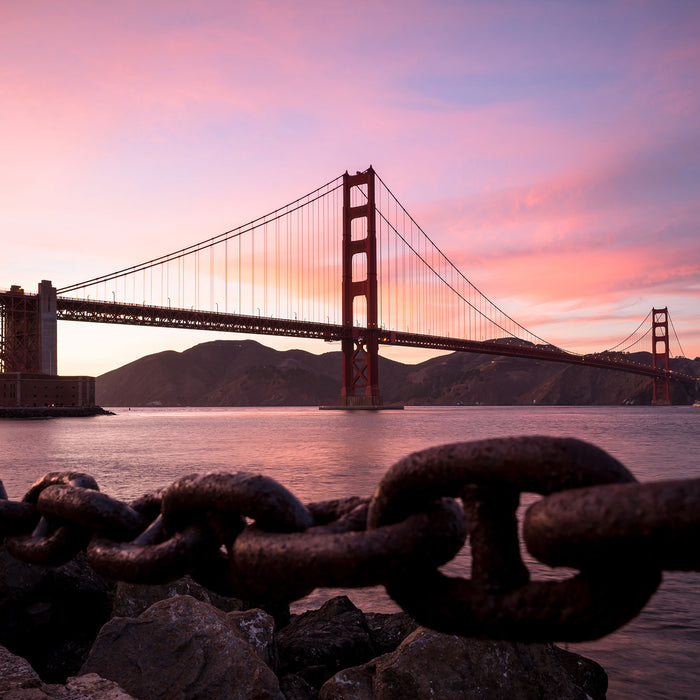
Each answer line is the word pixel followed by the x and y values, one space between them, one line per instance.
pixel 246 535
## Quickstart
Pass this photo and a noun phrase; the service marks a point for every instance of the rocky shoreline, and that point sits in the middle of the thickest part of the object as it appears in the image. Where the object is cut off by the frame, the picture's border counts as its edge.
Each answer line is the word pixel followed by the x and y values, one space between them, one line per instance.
pixel 67 634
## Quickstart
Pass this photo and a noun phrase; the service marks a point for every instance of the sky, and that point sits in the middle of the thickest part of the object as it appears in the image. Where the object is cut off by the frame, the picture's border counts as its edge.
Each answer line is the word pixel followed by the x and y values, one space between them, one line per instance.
pixel 550 148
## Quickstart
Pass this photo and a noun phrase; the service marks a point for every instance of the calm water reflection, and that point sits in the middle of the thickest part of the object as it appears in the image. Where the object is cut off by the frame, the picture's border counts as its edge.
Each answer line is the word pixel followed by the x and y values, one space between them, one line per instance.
pixel 327 454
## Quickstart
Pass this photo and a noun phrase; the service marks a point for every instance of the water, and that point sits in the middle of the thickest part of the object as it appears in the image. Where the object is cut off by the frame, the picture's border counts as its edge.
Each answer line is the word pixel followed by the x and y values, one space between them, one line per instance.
pixel 328 454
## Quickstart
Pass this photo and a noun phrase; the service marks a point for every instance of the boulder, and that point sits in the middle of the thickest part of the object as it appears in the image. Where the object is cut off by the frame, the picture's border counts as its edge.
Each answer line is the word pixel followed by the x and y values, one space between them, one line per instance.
pixel 258 629
pixel 429 664
pixel 19 681
pixel 131 599
pixel 295 687
pixel 181 648
pixel 51 615
pixel 388 630
pixel 16 672
pixel 255 625
pixel 93 687
pixel 317 644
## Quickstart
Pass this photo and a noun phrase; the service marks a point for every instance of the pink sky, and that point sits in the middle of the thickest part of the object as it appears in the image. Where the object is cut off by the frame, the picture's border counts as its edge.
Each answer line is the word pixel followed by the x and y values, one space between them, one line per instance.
pixel 551 149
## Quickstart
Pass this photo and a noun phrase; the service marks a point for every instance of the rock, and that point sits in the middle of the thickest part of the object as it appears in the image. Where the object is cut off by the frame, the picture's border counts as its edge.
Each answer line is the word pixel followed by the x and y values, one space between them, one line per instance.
pixel 131 599
pixel 181 648
pixel 25 694
pixel 429 664
pixel 388 630
pixel 16 672
pixel 51 615
pixel 258 629
pixel 587 673
pixel 319 643
pixel 94 687
pixel 256 626
pixel 295 687
pixel 19 681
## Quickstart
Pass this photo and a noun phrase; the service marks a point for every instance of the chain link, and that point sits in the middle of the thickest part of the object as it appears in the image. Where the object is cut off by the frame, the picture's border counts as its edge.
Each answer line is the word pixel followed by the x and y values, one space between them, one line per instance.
pixel 246 535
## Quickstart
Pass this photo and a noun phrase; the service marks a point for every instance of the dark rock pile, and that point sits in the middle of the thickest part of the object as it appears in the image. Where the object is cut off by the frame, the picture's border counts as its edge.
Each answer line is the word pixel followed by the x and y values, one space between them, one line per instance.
pixel 69 635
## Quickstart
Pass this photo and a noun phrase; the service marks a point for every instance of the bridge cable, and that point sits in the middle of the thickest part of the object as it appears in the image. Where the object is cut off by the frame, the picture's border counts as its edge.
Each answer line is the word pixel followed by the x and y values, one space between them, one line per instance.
pixel 452 265
pixel 646 318
pixel 676 335
pixel 278 213
pixel 635 343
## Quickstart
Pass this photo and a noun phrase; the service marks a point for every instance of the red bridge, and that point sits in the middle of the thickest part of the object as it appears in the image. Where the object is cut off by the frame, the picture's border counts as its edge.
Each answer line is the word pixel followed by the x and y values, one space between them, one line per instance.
pixel 346 262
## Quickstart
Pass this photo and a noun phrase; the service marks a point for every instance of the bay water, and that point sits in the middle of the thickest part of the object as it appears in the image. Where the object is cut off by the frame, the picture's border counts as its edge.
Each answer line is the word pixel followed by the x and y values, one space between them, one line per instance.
pixel 319 455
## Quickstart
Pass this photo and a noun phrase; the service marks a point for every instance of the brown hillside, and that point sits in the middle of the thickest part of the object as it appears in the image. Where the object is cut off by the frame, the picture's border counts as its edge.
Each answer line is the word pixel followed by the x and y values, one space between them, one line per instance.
pixel 246 373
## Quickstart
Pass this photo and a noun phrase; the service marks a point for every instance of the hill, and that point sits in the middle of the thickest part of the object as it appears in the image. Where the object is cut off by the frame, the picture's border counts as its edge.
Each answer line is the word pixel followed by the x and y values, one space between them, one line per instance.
pixel 246 373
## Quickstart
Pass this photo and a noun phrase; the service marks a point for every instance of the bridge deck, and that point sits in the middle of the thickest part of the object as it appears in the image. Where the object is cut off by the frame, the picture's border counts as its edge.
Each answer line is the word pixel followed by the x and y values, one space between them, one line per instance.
pixel 96 311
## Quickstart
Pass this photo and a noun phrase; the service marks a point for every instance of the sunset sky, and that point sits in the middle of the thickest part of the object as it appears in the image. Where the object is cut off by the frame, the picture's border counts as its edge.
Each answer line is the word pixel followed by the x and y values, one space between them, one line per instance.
pixel 551 148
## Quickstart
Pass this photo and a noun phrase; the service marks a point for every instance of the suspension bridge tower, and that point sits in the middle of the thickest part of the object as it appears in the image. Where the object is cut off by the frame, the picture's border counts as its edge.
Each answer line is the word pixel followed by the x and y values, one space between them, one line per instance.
pixel 360 345
pixel 659 357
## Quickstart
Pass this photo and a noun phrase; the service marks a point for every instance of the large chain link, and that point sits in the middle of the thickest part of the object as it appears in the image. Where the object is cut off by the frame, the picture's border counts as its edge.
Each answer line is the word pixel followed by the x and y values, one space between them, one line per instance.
pixel 247 536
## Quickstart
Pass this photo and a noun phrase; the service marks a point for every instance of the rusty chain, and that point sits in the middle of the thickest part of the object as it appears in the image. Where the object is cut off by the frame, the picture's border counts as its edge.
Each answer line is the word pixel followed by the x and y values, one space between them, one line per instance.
pixel 247 536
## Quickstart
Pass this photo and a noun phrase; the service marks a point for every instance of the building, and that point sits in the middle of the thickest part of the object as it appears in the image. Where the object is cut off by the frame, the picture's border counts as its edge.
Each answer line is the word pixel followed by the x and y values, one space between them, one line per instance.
pixel 26 390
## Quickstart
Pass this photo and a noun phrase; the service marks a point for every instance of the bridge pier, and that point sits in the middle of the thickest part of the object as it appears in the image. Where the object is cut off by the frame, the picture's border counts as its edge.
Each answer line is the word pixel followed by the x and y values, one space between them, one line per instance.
pixel 29 381
pixel 48 335
pixel 28 337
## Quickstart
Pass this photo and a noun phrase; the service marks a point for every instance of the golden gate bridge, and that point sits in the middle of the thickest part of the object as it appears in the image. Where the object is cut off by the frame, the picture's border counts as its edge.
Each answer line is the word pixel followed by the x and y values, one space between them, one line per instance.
pixel 346 263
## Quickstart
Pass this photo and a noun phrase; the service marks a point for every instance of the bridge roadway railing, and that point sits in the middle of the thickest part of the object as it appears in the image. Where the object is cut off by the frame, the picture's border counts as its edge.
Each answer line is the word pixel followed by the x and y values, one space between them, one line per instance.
pixel 514 347
pixel 92 310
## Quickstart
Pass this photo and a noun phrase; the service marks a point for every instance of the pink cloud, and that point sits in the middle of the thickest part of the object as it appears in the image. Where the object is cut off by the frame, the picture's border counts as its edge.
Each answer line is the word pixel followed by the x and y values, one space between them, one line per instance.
pixel 531 143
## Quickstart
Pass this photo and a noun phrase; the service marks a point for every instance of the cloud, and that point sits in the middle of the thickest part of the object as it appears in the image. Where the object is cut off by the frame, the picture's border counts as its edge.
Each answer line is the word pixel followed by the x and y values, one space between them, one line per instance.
pixel 628 223
pixel 549 148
